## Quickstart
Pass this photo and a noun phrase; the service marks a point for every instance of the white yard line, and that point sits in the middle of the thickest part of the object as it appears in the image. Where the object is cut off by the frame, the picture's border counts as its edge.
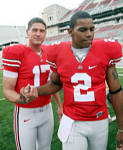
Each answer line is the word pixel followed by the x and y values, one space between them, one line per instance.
pixel 1 99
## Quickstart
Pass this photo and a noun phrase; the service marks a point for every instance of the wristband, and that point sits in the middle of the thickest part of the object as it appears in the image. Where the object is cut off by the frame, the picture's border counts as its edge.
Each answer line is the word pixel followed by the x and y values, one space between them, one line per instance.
pixel 114 92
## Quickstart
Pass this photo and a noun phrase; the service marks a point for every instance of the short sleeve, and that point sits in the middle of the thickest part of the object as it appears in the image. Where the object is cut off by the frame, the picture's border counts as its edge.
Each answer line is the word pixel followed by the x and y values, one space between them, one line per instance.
pixel 114 51
pixel 51 56
pixel 11 58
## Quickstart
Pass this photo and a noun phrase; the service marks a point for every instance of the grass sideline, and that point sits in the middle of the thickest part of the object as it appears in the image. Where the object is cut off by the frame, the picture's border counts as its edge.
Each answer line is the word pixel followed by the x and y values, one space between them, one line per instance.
pixel 6 124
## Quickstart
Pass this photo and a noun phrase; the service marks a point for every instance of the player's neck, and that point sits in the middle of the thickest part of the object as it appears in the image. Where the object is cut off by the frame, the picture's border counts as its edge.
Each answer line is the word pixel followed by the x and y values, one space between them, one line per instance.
pixel 35 48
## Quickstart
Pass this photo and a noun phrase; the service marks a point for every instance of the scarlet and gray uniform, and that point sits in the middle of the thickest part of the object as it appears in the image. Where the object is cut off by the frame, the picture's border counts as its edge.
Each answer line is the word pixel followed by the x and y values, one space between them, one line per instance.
pixel 83 82
pixel 33 121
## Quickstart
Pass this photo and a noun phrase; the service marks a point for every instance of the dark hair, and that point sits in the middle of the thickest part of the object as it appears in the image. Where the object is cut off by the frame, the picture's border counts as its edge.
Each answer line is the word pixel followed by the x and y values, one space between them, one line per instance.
pixel 79 15
pixel 36 20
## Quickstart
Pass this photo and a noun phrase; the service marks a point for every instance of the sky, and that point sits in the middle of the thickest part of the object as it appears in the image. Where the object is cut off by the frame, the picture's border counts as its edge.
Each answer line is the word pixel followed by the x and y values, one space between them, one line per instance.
pixel 19 12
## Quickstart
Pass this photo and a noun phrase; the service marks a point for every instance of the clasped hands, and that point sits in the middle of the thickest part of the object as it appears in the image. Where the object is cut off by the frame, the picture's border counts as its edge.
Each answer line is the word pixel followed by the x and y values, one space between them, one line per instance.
pixel 28 93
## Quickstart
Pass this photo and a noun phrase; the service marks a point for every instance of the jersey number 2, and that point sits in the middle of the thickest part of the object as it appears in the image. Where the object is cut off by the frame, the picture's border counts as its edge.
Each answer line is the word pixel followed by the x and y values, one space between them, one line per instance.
pixel 78 96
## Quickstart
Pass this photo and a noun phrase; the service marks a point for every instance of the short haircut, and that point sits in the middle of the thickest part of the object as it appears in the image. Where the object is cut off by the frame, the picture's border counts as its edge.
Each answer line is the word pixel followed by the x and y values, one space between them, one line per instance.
pixel 79 15
pixel 36 20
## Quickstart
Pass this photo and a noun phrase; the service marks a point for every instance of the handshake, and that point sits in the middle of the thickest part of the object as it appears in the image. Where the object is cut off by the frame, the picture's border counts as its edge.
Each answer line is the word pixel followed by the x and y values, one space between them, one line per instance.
pixel 28 94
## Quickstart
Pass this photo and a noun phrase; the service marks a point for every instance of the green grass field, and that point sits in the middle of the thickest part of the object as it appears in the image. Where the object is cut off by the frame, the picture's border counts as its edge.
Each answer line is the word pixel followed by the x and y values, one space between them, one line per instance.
pixel 6 124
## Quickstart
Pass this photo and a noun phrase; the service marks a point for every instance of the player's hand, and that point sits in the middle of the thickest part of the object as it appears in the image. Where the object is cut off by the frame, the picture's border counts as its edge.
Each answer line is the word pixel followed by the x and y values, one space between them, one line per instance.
pixel 119 139
pixel 60 113
pixel 29 92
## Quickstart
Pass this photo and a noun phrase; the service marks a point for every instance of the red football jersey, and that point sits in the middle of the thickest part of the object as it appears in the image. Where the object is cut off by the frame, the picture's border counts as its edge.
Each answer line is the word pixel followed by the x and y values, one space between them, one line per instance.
pixel 84 82
pixel 30 69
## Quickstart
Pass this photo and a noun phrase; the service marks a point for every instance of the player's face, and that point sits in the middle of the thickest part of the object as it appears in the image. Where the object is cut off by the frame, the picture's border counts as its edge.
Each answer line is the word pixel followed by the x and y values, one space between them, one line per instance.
pixel 36 33
pixel 83 33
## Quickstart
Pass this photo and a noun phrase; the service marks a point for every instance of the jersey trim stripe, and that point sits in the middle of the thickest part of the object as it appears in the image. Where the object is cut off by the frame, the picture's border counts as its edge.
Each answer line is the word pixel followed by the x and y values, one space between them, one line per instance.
pixel 11 65
pixel 17 128
pixel 117 59
pixel 113 61
pixel 11 60
pixel 51 63
pixel 52 66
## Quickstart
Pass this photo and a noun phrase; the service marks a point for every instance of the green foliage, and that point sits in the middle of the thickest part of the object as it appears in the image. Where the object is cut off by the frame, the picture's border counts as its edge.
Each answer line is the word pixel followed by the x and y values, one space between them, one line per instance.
pixel 56 144
pixel 6 126
pixel 1 82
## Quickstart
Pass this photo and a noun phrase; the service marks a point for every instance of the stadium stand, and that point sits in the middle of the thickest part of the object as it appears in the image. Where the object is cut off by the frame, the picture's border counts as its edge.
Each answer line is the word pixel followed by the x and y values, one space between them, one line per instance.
pixel 109 31
pixel 105 3
pixel 105 31
pixel 55 39
pixel 116 2
pixel 12 34
pixel 107 15
pixel 68 15
pixel 107 18
pixel 83 5
pixel 91 6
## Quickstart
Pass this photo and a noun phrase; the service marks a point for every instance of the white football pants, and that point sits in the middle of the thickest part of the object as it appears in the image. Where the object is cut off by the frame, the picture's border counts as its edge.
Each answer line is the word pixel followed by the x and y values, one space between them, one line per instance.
pixel 87 135
pixel 33 125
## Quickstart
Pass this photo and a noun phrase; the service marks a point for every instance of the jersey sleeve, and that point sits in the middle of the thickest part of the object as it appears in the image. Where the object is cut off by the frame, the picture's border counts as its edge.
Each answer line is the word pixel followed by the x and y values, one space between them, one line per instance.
pixel 51 56
pixel 114 50
pixel 11 58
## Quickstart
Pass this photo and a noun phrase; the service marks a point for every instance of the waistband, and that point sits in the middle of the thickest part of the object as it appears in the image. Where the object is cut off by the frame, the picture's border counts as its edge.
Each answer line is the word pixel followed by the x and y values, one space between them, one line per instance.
pixel 41 109
pixel 34 110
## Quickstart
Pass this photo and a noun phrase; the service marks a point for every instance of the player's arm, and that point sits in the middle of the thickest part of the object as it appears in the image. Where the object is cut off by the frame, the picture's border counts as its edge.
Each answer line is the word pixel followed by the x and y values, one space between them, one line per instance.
pixel 9 85
pixel 11 62
pixel 57 99
pixel 116 94
pixel 53 86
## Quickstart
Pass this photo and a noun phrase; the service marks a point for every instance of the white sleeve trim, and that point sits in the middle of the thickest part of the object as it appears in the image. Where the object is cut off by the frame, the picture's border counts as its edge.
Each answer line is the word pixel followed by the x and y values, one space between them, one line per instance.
pixel 50 75
pixel 10 74
pixel 10 65
pixel 10 60
pixel 51 63
pixel 115 61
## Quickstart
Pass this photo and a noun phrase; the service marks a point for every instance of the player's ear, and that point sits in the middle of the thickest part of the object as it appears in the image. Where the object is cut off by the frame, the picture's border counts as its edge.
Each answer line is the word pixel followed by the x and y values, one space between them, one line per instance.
pixel 69 30
pixel 27 31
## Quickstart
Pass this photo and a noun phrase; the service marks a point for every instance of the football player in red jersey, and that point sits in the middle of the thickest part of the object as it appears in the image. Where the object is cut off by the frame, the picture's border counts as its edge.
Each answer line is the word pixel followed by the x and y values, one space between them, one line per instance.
pixel 33 121
pixel 81 67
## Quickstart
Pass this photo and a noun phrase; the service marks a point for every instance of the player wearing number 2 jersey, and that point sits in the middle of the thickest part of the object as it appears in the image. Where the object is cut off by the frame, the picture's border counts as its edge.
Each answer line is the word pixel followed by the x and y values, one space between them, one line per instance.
pixel 82 66
pixel 25 65
pixel 84 80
